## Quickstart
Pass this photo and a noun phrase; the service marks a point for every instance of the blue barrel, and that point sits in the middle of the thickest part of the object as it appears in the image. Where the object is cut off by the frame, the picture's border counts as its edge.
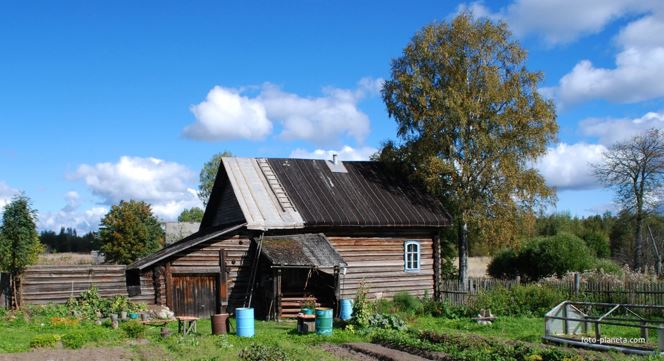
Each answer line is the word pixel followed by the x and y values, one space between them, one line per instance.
pixel 245 322
pixel 324 321
pixel 346 309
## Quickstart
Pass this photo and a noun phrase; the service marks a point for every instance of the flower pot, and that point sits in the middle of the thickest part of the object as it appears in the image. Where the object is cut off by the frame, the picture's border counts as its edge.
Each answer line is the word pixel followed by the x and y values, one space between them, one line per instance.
pixel 133 315
pixel 123 315
pixel 144 316
pixel 114 317
pixel 307 311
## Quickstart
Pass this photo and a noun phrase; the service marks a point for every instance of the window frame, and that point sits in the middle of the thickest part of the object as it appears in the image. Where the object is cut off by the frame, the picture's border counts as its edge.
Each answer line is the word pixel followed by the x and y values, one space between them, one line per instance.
pixel 417 256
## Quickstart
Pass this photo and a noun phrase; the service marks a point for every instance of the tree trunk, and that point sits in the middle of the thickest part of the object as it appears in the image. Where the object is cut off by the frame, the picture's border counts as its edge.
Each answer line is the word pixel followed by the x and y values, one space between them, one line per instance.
pixel 463 252
pixel 638 244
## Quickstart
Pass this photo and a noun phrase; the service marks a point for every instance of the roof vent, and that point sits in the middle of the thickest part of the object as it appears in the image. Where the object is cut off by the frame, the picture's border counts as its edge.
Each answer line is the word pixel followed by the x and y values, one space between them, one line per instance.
pixel 335 165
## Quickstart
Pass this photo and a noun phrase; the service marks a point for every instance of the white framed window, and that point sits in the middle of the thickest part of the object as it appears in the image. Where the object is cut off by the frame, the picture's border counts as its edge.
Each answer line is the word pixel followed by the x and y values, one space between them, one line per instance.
pixel 411 256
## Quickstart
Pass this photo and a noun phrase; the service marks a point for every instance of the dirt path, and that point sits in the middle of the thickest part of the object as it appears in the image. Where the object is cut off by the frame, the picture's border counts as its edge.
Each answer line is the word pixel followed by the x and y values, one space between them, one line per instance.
pixel 346 353
pixel 84 354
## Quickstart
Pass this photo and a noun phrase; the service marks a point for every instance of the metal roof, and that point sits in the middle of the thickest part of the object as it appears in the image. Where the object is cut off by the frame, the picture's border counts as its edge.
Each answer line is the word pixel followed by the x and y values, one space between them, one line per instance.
pixel 366 195
pixel 306 250
pixel 264 203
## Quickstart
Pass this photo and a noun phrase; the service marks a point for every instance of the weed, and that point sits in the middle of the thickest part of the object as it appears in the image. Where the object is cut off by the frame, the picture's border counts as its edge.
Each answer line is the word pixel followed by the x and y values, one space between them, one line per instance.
pixel 74 340
pixel 44 340
pixel 133 329
pixel 259 352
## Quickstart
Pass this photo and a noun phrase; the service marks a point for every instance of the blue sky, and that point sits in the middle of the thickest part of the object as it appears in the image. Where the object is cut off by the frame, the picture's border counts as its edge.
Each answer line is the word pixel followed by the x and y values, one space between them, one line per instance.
pixel 107 101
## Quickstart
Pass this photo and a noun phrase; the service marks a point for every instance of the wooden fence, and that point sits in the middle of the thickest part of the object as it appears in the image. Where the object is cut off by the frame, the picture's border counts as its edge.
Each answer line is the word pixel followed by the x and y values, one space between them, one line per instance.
pixel 645 293
pixel 56 284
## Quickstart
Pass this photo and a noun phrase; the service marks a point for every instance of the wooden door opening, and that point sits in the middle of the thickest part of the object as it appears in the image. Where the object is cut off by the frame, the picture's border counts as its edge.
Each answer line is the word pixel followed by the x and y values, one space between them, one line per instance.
pixel 195 294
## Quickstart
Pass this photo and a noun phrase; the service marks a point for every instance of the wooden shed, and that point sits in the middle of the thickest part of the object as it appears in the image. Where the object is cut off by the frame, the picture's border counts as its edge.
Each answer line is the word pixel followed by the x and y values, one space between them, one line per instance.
pixel 279 231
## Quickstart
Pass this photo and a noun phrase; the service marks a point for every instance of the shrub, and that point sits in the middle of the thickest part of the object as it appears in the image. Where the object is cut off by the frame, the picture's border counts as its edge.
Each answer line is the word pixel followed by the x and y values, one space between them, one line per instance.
pixel 598 244
pixel 504 265
pixel 74 340
pixel 260 352
pixel 133 329
pixel 554 255
pixel 520 300
pixel 45 340
pixel 405 302
pixel 607 266
pixel 444 309
pixel 49 310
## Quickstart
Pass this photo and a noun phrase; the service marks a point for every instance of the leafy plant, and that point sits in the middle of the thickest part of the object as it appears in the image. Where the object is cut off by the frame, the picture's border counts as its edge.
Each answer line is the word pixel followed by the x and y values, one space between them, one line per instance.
pixel 405 302
pixel 119 303
pixel 44 340
pixel 361 307
pixel 260 352
pixel 387 322
pixel 74 340
pixel 133 329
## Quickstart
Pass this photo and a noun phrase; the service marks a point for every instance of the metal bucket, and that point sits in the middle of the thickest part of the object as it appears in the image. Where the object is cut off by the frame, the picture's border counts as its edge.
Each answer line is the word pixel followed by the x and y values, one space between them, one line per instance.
pixel 324 321
pixel 245 322
pixel 219 322
pixel 345 309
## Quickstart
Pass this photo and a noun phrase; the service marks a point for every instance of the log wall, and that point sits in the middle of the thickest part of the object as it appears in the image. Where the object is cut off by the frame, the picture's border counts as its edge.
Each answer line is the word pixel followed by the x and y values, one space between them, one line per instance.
pixel 204 258
pixel 56 283
pixel 379 262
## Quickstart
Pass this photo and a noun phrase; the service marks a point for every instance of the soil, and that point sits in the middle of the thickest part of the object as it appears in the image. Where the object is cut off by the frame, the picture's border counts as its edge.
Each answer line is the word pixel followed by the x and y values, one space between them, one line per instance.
pixel 84 354
pixel 383 353
pixel 347 354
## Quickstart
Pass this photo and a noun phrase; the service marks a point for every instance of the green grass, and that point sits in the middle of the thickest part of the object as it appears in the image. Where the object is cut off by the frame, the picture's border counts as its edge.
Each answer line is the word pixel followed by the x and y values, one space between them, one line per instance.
pixel 529 329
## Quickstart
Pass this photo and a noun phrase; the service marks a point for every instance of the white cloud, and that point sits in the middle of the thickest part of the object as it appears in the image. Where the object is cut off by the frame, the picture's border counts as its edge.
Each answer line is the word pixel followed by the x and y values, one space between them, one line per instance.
pixel 6 194
pixel 229 114
pixel 568 166
pixel 611 130
pixel 70 216
pixel 345 153
pixel 559 21
pixel 226 114
pixel 165 185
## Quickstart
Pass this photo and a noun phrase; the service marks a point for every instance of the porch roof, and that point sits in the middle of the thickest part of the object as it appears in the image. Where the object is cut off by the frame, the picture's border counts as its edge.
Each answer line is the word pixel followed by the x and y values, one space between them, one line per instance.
pixel 305 250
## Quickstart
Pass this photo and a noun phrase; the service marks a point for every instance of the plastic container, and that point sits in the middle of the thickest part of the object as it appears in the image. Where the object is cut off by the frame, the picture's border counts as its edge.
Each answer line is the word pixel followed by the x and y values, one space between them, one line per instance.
pixel 245 322
pixel 345 309
pixel 307 311
pixel 324 321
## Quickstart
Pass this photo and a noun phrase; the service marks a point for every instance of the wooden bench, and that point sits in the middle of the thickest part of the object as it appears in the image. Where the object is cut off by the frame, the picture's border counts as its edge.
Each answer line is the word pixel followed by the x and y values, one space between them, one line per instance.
pixel 187 324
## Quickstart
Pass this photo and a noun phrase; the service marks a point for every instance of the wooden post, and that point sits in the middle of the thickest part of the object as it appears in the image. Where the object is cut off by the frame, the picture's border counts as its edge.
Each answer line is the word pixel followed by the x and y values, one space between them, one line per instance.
pixel 275 293
pixel 337 290
pixel 278 294
pixel 223 283
pixel 577 284
pixel 660 339
pixel 169 285
pixel 437 267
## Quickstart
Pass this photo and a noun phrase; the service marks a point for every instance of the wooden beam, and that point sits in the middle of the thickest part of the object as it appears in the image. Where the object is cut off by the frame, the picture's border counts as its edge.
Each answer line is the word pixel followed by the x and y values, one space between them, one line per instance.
pixel 279 295
pixel 437 267
pixel 168 276
pixel 337 290
pixel 223 282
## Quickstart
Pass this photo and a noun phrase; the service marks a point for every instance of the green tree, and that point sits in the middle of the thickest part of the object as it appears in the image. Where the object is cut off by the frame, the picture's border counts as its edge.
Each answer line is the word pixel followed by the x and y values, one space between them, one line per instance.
pixel 471 123
pixel 19 242
pixel 635 169
pixel 130 231
pixel 194 214
pixel 208 175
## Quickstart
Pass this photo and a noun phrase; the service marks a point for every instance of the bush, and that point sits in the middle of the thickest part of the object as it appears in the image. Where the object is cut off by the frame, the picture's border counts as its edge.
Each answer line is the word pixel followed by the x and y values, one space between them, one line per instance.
pixel 598 244
pixel 405 302
pixel 260 352
pixel 554 255
pixel 74 340
pixel 504 265
pixel 520 300
pixel 45 340
pixel 444 309
pixel 361 308
pixel 133 329
pixel 607 266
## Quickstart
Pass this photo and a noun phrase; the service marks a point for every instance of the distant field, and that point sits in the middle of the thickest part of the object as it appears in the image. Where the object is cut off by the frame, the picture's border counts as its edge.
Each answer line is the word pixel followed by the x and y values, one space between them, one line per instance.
pixel 65 258
pixel 476 266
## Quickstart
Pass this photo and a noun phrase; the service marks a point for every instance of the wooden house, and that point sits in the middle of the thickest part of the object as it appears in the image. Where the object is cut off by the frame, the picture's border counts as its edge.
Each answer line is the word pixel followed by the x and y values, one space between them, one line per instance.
pixel 279 231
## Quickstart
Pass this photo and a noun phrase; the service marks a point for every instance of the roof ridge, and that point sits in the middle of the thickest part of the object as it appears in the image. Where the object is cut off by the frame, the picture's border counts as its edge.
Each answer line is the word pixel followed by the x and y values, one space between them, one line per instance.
pixel 275 185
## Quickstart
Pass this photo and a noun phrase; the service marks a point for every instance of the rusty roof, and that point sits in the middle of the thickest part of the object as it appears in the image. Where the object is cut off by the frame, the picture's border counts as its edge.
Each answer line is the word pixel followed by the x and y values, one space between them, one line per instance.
pixel 307 250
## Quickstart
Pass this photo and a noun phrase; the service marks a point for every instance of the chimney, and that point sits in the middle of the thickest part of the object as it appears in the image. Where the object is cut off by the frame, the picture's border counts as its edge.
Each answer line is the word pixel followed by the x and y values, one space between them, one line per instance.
pixel 334 159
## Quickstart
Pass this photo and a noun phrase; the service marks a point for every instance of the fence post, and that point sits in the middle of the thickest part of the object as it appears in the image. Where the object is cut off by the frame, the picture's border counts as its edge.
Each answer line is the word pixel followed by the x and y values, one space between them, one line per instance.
pixel 518 280
pixel 660 338
pixel 577 284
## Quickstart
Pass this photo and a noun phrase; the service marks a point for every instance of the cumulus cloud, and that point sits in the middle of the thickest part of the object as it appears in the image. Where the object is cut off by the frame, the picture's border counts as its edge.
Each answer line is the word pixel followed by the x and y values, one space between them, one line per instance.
pixel 231 114
pixel 165 185
pixel 6 194
pixel 345 153
pixel 610 130
pixel 568 166
pixel 559 21
pixel 227 114
pixel 72 216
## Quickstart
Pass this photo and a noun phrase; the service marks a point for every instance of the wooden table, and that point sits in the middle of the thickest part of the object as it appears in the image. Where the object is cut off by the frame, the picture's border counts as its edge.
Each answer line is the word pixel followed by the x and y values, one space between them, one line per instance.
pixel 187 324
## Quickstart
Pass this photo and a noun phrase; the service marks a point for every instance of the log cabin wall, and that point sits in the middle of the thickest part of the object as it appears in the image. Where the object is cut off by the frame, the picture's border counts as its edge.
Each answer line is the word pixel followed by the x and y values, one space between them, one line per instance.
pixel 204 258
pixel 380 263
